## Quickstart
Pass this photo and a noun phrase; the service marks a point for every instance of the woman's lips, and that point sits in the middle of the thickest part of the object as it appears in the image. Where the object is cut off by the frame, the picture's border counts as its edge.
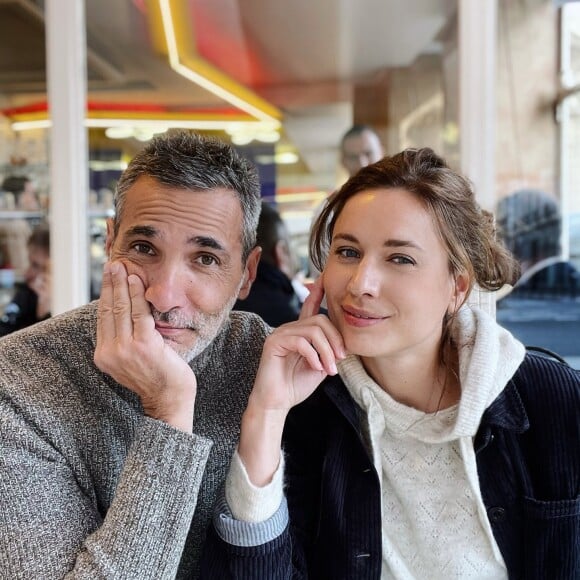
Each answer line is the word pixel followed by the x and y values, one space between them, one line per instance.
pixel 360 318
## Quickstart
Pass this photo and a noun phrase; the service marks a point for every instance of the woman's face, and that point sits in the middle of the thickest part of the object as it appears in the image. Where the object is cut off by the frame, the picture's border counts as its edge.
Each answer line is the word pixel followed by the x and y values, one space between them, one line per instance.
pixel 387 280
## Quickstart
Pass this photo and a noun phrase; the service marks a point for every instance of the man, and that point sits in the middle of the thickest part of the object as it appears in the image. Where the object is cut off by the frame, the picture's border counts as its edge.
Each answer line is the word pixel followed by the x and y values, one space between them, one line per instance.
pixel 272 295
pixel 31 301
pixel 108 469
pixel 360 146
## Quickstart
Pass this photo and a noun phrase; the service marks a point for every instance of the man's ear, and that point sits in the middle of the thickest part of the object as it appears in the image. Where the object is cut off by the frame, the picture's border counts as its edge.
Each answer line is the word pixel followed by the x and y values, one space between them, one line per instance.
pixel 110 237
pixel 250 272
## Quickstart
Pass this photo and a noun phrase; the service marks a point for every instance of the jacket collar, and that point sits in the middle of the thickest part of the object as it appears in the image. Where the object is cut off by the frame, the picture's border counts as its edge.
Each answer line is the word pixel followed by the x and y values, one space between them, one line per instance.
pixel 337 392
pixel 506 412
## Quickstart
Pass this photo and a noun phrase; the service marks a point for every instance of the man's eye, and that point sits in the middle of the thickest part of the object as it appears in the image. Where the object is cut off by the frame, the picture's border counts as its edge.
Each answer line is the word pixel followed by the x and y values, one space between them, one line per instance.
pixel 207 260
pixel 143 248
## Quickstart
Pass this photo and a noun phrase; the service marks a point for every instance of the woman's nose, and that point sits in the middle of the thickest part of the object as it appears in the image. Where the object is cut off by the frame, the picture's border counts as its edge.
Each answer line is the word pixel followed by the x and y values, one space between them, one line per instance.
pixel 364 279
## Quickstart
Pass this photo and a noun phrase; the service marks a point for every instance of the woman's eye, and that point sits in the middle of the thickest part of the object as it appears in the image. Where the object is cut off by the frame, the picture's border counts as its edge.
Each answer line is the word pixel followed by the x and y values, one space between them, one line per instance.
pixel 402 260
pixel 347 253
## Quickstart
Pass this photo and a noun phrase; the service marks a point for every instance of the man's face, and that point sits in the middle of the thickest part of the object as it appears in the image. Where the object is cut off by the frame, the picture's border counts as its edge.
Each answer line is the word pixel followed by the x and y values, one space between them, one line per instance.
pixel 38 264
pixel 186 247
pixel 361 150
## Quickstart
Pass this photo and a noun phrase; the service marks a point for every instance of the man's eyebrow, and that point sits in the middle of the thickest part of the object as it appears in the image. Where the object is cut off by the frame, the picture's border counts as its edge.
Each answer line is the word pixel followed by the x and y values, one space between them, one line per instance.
pixel 390 243
pixel 202 241
pixel 146 231
pixel 207 242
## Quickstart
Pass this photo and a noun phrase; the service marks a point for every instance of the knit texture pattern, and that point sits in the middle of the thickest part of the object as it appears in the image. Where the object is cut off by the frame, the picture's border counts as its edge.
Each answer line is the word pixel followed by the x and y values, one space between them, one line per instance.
pixel 91 488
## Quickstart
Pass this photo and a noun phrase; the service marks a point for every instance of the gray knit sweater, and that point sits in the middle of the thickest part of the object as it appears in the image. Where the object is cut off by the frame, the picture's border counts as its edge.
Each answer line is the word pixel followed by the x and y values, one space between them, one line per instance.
pixel 91 487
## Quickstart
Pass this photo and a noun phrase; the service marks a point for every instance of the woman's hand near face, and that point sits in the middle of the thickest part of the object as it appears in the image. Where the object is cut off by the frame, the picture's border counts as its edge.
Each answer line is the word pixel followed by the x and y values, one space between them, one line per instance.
pixel 136 355
pixel 296 358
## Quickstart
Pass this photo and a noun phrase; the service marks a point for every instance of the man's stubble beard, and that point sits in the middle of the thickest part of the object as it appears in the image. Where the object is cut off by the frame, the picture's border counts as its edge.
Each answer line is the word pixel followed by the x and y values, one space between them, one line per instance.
pixel 205 326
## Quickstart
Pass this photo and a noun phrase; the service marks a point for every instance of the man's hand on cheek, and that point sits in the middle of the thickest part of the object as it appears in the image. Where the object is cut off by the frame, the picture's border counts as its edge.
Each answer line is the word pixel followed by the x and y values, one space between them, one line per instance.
pixel 130 349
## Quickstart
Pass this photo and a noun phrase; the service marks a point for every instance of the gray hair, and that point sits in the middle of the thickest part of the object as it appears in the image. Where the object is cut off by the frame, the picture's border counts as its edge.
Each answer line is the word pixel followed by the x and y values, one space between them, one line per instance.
pixel 190 161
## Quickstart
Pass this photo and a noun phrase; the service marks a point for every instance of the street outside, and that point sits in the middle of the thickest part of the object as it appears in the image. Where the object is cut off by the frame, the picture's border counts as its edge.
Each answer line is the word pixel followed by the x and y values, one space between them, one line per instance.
pixel 548 323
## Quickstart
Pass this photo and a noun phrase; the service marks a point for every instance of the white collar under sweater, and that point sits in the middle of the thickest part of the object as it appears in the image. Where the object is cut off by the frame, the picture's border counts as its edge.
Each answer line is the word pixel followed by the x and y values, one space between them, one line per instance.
pixel 434 519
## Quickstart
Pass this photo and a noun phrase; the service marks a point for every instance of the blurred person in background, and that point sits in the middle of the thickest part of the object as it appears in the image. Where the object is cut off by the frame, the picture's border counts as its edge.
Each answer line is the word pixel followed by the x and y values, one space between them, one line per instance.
pixel 360 146
pixel 23 192
pixel 31 301
pixel 272 295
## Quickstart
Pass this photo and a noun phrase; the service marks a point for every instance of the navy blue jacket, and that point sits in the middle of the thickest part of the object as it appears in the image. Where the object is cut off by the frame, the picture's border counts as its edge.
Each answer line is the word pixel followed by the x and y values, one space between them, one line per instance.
pixel 272 296
pixel 528 461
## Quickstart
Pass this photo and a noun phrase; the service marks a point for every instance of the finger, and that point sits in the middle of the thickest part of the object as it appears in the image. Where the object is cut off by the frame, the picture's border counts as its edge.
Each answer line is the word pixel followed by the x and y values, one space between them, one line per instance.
pixel 310 327
pixel 326 350
pixel 143 322
pixel 302 346
pixel 105 318
pixel 312 303
pixel 121 302
pixel 312 356
pixel 319 332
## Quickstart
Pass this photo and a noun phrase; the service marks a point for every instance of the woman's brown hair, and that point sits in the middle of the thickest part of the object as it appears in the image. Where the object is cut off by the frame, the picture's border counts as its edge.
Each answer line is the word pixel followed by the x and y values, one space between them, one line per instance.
pixel 468 232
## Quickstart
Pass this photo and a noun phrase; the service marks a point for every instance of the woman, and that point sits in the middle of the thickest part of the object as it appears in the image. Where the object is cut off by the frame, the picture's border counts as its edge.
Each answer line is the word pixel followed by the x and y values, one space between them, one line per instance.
pixel 435 447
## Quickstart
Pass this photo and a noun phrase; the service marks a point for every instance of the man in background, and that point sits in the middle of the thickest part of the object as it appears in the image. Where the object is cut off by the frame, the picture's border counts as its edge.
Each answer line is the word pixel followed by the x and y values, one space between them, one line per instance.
pixel 272 295
pixel 360 146
pixel 31 301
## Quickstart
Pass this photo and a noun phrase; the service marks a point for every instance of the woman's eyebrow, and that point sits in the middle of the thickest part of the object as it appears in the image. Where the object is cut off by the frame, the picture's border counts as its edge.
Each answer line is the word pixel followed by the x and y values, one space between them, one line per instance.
pixel 390 243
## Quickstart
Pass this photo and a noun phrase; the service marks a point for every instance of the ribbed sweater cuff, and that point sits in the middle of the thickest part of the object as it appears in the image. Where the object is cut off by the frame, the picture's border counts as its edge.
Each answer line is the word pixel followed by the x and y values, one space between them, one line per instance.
pixel 149 518
pixel 166 452
pixel 248 534
pixel 247 502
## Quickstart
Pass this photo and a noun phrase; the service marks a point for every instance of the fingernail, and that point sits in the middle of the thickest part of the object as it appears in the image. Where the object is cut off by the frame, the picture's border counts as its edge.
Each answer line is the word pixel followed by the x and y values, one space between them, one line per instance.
pixel 107 268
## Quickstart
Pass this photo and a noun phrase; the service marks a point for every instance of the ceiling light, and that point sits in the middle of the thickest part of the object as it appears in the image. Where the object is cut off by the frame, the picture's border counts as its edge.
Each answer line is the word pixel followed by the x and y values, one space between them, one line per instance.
pixel 154 125
pixel 259 109
pixel 286 158
pixel 124 132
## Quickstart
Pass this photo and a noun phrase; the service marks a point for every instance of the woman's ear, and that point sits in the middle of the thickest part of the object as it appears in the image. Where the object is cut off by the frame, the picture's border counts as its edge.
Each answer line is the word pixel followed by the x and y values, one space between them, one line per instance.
pixel 460 292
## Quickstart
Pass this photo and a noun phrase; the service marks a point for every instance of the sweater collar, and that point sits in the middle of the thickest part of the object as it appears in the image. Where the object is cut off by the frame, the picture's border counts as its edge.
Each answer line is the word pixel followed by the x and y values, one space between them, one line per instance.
pixel 488 358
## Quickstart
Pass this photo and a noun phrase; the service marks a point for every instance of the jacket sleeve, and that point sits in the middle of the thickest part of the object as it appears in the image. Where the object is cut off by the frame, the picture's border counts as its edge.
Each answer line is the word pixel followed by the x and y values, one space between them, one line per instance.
pixel 242 550
pixel 52 526
pixel 279 547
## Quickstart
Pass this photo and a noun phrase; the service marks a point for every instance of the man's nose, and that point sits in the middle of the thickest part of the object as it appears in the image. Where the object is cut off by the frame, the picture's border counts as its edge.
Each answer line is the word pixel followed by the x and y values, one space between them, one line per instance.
pixel 165 287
